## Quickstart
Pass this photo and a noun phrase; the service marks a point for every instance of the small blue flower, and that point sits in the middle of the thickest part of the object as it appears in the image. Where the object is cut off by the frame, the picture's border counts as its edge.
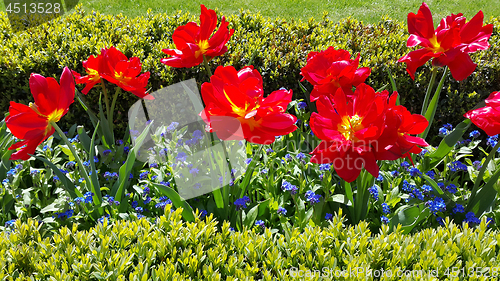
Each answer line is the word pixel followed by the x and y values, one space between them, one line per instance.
pixel 492 141
pixel 471 218
pixel 426 188
pixel 70 164
pixel 474 134
pixel 458 209
pixel 312 198
pixel 384 219
pixel 119 142
pixel 264 171
pixel 328 216
pixel 407 187
pixel 385 208
pixel 282 211
pixel 260 223
pixel 288 156
pixel 203 214
pixel 198 134
pixel 106 152
pixel 147 200
pixel 241 203
pixel 405 164
pixel 153 165
pixel 489 222
pixel 431 174
pixel 248 160
pixel 34 172
pixel 436 205
pixel 286 186
pixel 451 188
pixel 56 178
pixel 301 105
pixel 165 183
pixel 104 218
pixel 374 192
pixel 395 173
pixel 194 171
pixel 325 167
pixel 448 126
pixel 146 190
pixel 301 156
pixel 139 209
pixel 181 156
pixel 414 172
pixel 79 200
pixel 126 149
pixel 423 152
pixel 456 166
pixel 440 220
pixel 443 131
pixel 172 126
pixel 477 165
pixel 134 204
pixel 10 224
pixel 380 178
pixel 418 194
pixel 86 164
pixel 269 150
pixel 143 175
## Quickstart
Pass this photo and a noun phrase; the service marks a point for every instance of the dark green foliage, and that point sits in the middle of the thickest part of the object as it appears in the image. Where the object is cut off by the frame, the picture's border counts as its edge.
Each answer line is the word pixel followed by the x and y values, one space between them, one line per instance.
pixel 170 249
pixel 279 49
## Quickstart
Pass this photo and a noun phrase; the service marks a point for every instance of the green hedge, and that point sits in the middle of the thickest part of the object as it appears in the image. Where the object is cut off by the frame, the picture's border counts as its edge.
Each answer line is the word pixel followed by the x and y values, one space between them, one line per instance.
pixel 170 249
pixel 279 49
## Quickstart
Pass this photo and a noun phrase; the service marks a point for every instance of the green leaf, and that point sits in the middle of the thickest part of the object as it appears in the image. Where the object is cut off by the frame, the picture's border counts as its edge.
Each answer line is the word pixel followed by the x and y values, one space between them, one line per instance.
pixel 485 198
pixel 448 143
pixel 250 217
pixel 96 189
pixel 177 201
pixel 128 165
pixel 68 185
pixel 409 217
pixel 84 138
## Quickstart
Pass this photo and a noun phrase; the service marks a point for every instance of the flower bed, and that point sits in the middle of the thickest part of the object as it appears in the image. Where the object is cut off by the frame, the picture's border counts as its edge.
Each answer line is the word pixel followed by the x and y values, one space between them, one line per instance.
pixel 252 158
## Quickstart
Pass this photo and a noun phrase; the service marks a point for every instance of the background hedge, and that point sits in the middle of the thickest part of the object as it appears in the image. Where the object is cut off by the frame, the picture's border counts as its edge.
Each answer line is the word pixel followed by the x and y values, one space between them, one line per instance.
pixel 170 249
pixel 279 49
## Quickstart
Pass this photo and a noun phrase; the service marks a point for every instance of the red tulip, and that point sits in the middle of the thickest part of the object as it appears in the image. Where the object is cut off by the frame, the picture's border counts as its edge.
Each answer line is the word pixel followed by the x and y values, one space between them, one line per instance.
pixel 115 67
pixel 332 69
pixel 396 141
pixel 487 118
pixel 32 123
pixel 349 131
pixel 236 108
pixel 193 41
pixel 449 44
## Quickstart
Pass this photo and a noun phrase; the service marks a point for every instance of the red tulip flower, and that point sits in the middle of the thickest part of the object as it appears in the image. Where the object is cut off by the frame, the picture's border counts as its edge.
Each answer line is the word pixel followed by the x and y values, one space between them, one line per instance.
pixel 115 67
pixel 193 41
pixel 487 118
pixel 32 123
pixel 236 108
pixel 350 131
pixel 332 69
pixel 396 140
pixel 448 45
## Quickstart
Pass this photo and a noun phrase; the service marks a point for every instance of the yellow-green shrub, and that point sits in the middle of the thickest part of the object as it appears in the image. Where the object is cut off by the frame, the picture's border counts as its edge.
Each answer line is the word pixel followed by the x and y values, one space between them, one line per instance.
pixel 170 249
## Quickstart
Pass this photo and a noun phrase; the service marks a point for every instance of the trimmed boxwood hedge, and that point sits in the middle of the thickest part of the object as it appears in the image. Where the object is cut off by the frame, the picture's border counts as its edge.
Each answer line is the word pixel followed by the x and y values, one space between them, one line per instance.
pixel 277 48
pixel 169 249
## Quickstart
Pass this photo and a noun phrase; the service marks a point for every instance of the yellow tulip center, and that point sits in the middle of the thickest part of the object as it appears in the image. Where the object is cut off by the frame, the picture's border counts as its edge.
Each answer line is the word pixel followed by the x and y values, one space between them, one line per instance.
pixel 203 45
pixel 349 126
pixel 436 46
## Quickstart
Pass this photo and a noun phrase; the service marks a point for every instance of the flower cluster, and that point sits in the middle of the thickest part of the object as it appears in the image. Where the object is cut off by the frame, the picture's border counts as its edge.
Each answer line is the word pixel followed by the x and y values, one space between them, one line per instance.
pixel 358 131
pixel 113 66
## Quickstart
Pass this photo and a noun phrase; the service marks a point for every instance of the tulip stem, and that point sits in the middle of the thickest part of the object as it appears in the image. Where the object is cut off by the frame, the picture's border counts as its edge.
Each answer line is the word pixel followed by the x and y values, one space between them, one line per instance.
pixel 83 172
pixel 429 89
pixel 482 170
pixel 106 100
pixel 207 68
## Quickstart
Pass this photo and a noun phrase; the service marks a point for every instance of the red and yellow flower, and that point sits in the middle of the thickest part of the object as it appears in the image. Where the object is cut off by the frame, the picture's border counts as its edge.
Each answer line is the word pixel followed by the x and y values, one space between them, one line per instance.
pixel 31 123
pixel 349 131
pixel 487 118
pixel 332 69
pixel 357 132
pixel 448 45
pixel 193 41
pixel 116 68
pixel 236 108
